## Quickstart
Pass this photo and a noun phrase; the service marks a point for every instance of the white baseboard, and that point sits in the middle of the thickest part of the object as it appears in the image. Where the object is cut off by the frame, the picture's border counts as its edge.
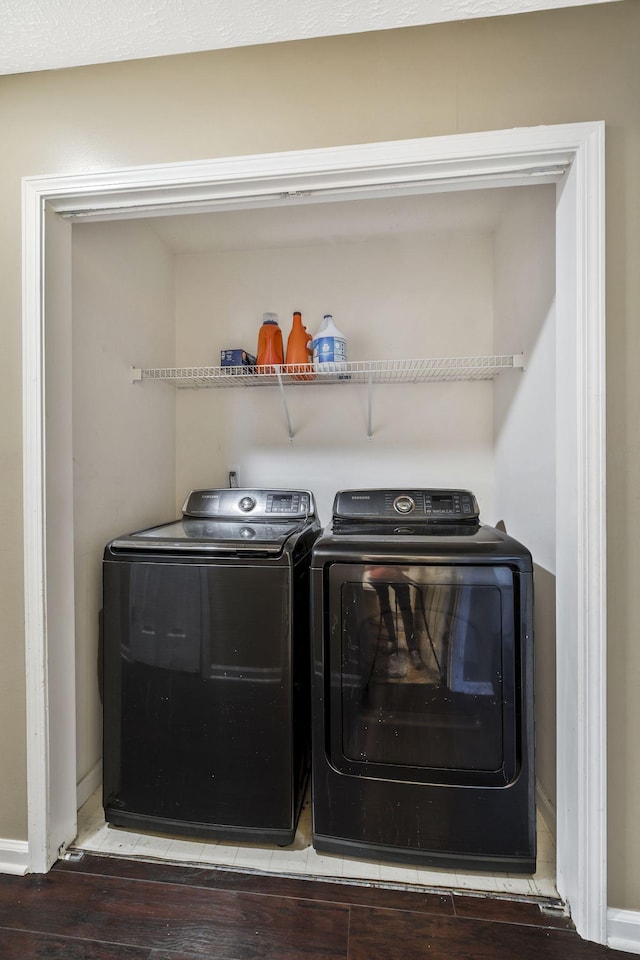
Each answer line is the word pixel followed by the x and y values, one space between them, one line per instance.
pixel 14 857
pixel 623 930
pixel 547 809
pixel 89 784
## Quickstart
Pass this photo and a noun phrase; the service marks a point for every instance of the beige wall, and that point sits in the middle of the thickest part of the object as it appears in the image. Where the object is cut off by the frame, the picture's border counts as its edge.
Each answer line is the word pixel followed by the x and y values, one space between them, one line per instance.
pixel 553 67
pixel 363 284
pixel 525 437
pixel 123 436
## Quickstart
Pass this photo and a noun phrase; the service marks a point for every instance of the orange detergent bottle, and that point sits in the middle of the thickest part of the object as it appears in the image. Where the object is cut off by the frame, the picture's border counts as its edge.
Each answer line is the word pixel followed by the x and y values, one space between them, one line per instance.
pixel 270 349
pixel 299 350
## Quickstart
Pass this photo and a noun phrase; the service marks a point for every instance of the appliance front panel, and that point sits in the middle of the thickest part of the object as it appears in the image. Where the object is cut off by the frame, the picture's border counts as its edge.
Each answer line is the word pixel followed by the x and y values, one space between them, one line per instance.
pixel 198 694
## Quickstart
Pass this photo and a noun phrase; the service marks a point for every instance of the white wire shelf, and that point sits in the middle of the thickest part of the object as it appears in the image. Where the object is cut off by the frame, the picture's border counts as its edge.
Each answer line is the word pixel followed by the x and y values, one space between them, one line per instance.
pixel 360 371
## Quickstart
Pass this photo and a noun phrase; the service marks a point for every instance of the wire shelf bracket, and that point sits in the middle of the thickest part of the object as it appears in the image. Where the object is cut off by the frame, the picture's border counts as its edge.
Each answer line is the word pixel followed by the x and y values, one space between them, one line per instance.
pixel 369 372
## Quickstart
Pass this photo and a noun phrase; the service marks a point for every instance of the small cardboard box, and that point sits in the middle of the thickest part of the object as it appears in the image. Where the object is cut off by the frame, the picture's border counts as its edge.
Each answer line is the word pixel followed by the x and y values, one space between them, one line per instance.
pixel 236 358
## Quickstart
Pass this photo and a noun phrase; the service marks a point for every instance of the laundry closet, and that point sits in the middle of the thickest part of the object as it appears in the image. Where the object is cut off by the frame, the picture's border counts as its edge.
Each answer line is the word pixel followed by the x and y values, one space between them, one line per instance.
pixel 443 276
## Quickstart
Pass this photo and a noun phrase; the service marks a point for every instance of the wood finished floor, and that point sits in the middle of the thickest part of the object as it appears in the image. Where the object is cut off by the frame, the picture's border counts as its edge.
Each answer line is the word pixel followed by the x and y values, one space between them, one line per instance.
pixel 107 908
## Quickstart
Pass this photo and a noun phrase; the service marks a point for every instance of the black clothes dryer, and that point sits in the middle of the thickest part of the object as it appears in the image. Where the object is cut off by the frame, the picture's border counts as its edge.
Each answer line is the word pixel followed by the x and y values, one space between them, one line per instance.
pixel 206 668
pixel 423 739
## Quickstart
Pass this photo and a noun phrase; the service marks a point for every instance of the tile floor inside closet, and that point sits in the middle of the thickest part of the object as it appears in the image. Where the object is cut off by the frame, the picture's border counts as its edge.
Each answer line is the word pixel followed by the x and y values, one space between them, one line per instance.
pixel 301 860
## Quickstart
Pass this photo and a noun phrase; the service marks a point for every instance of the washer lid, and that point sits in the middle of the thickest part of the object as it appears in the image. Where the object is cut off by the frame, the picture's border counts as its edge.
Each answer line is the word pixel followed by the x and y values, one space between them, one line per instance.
pixel 212 537
pixel 229 521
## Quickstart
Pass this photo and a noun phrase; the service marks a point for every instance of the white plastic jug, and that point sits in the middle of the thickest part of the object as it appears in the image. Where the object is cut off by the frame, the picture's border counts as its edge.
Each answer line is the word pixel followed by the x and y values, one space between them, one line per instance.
pixel 329 344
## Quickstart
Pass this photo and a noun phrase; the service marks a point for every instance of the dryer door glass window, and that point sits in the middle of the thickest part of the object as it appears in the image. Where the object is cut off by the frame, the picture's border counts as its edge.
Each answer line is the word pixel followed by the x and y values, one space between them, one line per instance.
pixel 422 665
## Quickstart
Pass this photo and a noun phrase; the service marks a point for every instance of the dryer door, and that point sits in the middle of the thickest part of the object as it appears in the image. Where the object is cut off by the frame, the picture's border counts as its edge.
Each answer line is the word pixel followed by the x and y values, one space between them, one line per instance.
pixel 423 680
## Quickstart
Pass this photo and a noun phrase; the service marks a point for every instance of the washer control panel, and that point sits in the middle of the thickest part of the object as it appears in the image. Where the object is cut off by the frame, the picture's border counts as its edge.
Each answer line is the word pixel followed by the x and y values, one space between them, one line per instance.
pixel 232 503
pixel 435 505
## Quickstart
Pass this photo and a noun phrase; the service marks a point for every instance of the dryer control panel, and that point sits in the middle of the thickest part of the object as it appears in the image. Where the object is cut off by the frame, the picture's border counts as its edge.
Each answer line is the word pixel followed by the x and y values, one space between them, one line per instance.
pixel 435 505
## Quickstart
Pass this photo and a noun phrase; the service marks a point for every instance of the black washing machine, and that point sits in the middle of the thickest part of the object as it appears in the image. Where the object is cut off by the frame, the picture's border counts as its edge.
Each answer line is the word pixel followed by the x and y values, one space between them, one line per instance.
pixel 423 737
pixel 206 668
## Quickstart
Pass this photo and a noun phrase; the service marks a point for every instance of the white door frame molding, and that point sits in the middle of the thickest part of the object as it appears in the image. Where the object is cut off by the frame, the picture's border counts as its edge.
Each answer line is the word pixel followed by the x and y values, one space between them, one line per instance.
pixel 572 155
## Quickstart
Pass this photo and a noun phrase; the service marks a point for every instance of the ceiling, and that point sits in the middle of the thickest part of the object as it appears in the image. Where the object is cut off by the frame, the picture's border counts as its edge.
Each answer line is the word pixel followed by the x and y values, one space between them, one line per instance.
pixel 345 221
pixel 52 34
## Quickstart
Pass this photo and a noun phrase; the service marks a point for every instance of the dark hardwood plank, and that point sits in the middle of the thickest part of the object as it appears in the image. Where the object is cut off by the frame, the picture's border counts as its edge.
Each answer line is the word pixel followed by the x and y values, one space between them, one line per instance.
pixel 17 945
pixel 301 889
pixel 196 922
pixel 88 911
pixel 389 935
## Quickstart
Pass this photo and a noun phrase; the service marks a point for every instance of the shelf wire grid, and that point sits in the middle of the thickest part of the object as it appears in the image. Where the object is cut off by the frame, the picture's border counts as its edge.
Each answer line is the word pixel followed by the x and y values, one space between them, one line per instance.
pixel 359 371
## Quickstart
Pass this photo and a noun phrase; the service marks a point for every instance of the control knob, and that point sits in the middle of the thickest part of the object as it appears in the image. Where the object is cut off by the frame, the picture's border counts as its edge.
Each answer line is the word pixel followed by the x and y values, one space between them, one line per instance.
pixel 247 504
pixel 404 504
